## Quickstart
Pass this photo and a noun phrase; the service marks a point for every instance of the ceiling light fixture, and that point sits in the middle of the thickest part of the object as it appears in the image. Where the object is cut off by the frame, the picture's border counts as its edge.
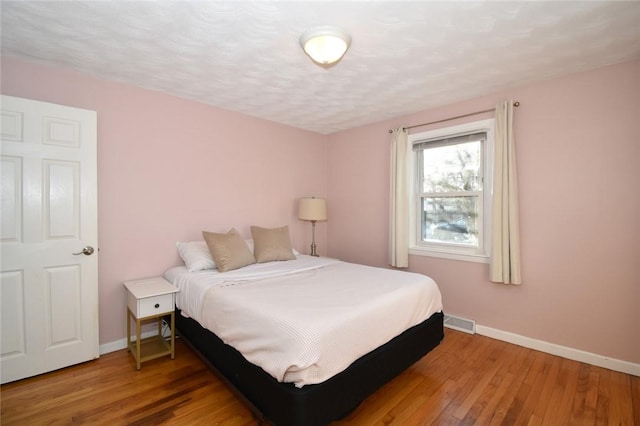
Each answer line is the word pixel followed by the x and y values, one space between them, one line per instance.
pixel 325 44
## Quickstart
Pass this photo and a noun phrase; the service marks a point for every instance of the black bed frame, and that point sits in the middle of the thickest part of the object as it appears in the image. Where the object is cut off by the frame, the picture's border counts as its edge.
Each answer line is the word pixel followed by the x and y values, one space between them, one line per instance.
pixel 283 404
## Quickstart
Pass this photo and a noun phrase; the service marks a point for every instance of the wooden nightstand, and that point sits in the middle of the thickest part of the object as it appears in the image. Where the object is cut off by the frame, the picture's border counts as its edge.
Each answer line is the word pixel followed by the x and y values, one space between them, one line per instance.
pixel 150 299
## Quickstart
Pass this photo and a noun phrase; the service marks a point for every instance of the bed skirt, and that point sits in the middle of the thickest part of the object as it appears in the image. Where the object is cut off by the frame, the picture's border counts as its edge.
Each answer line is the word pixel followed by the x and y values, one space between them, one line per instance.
pixel 283 404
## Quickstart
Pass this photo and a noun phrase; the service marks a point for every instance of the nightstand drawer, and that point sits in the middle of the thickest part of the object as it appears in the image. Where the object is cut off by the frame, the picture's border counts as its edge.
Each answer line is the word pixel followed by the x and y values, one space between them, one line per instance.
pixel 149 306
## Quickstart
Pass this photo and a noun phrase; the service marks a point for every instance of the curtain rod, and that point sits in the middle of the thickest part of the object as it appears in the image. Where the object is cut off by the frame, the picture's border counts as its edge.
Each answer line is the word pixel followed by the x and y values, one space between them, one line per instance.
pixel 515 104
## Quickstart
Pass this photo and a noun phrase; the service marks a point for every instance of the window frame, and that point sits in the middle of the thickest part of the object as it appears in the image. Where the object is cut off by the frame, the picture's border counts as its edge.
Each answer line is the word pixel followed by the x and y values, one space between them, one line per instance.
pixel 452 250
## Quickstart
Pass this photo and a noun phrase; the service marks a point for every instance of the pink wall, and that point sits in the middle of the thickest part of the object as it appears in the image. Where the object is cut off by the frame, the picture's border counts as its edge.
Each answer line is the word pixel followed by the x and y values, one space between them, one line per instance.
pixel 169 168
pixel 577 150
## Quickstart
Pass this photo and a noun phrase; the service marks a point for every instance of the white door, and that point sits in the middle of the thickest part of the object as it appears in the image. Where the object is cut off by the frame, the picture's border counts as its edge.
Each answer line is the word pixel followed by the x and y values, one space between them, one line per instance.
pixel 48 292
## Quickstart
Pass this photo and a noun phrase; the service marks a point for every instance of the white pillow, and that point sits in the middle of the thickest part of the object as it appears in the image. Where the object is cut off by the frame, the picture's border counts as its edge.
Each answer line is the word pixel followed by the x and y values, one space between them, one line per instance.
pixel 196 255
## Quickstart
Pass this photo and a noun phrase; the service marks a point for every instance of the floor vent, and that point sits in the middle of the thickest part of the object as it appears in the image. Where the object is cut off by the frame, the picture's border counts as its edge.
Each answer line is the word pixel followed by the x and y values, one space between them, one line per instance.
pixel 460 324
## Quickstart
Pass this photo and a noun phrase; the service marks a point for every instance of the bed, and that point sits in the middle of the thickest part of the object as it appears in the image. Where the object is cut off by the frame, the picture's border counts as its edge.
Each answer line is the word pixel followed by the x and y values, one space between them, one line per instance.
pixel 304 341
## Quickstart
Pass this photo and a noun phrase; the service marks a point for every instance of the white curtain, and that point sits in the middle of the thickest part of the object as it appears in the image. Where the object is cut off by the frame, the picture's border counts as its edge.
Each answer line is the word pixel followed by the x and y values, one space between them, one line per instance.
pixel 505 238
pixel 399 200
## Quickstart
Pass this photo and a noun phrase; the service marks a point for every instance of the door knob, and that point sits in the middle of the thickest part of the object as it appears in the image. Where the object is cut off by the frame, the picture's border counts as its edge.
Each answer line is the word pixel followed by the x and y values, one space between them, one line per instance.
pixel 88 251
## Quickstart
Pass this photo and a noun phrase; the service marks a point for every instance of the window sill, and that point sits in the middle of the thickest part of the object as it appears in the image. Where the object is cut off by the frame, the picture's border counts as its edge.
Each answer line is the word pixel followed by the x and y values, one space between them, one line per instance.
pixel 465 257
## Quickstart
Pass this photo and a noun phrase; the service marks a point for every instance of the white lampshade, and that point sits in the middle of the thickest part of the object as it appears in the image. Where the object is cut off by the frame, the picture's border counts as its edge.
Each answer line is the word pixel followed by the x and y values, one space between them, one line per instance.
pixel 312 209
pixel 325 44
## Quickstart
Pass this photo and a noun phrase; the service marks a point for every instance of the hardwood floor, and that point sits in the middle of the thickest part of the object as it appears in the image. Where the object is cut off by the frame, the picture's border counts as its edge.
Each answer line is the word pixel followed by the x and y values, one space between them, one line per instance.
pixel 466 380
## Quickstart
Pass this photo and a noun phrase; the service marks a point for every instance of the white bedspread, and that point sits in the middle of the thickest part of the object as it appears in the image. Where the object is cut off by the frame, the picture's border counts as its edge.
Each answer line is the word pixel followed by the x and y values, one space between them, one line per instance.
pixel 305 320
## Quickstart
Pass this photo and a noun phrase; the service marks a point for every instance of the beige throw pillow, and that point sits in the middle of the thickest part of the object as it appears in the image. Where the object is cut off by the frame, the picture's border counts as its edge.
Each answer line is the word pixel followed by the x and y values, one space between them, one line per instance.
pixel 229 251
pixel 271 244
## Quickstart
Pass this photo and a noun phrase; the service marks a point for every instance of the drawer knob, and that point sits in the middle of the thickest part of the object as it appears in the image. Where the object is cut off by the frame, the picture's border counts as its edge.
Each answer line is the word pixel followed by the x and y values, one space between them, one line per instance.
pixel 157 305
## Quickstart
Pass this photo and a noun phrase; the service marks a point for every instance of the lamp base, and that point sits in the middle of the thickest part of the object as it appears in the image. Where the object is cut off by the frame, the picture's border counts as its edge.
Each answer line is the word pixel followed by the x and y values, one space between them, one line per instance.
pixel 313 239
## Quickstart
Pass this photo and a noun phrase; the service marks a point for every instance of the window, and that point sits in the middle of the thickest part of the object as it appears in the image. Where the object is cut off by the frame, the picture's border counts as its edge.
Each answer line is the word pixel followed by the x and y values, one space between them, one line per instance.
pixel 451 199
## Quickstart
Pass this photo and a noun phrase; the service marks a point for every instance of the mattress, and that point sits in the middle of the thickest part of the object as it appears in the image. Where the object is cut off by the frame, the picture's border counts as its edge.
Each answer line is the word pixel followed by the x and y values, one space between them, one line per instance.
pixel 283 404
pixel 305 320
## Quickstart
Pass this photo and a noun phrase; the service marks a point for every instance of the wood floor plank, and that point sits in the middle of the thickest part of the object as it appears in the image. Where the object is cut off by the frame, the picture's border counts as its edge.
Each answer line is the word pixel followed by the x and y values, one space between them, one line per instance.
pixel 543 401
pixel 537 378
pixel 635 396
pixel 532 369
pixel 604 396
pixel 467 380
pixel 619 414
pixel 585 397
pixel 512 397
pixel 486 383
pixel 559 404
pixel 485 355
pixel 483 412
pixel 432 407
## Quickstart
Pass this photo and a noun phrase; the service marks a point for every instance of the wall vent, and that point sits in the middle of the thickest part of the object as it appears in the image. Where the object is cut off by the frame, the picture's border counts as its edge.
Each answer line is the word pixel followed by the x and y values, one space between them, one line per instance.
pixel 460 324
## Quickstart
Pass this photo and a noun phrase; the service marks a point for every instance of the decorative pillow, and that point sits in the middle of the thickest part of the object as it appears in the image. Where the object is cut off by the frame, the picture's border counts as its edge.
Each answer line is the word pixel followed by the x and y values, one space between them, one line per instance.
pixel 228 251
pixel 195 255
pixel 250 244
pixel 271 244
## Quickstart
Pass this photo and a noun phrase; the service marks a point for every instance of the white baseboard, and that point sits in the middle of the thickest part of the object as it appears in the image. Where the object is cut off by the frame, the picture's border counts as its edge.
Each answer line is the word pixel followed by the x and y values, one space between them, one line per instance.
pixel 562 351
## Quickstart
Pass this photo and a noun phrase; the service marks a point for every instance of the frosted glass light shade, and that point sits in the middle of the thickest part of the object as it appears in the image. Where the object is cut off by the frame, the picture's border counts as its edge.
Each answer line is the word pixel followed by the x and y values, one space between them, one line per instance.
pixel 312 209
pixel 326 44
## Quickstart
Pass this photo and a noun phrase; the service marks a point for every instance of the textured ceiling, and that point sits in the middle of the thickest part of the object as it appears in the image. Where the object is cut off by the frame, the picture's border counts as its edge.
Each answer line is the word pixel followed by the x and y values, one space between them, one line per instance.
pixel 245 56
